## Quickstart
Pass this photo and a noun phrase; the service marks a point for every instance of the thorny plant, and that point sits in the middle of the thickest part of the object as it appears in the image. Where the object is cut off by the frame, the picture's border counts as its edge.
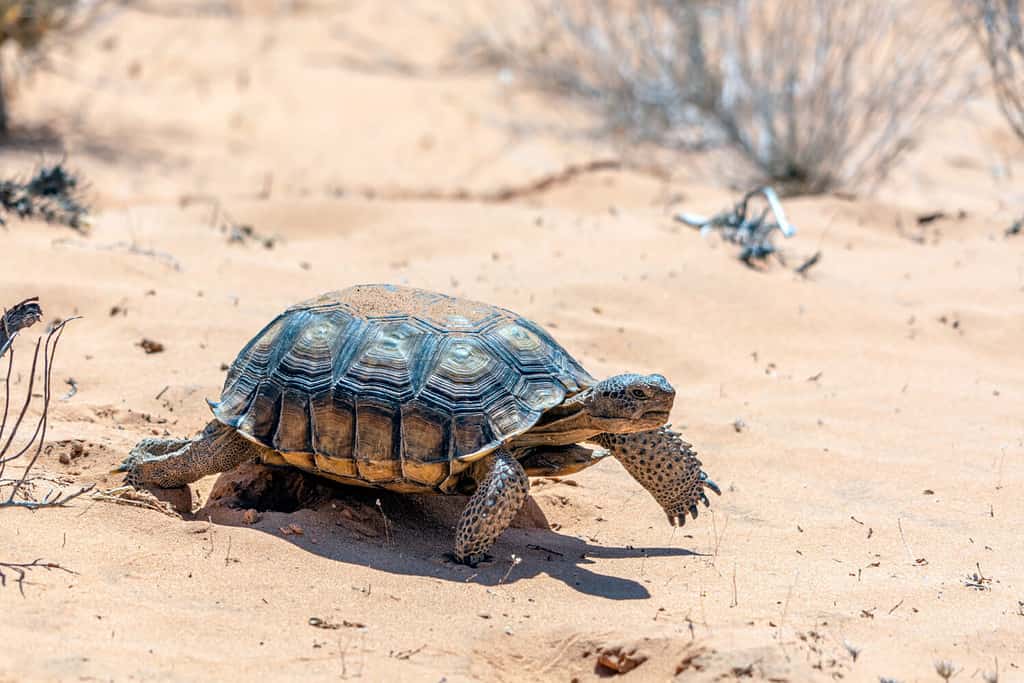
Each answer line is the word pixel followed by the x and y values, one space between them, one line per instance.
pixel 739 225
pixel 52 194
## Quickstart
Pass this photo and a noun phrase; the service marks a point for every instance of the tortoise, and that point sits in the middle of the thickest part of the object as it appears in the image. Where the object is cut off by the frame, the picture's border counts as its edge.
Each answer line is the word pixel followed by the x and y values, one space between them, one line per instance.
pixel 414 391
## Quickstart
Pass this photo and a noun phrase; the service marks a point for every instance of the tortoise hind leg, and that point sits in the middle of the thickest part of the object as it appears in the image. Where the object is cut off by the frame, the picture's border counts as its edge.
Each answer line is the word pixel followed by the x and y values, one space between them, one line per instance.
pixel 169 463
pixel 499 495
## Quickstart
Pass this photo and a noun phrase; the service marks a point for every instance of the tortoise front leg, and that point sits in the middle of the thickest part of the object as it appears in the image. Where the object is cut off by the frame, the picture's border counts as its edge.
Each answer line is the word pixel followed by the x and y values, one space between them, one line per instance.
pixel 666 466
pixel 169 463
pixel 499 495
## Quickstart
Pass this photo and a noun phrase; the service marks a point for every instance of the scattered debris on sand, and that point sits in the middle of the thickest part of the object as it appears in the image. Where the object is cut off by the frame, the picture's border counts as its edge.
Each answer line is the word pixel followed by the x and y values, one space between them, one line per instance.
pixel 753 232
pixel 150 345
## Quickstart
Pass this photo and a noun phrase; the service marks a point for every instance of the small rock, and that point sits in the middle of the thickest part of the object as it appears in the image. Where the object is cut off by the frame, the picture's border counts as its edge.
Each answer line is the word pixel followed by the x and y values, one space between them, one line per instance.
pixel 317 622
pixel 151 346
pixel 621 658
pixel 292 530
pixel 250 516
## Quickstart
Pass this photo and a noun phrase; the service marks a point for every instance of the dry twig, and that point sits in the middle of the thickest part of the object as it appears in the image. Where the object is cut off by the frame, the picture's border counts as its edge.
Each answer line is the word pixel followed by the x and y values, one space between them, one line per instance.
pixel 20 571
pixel 16 492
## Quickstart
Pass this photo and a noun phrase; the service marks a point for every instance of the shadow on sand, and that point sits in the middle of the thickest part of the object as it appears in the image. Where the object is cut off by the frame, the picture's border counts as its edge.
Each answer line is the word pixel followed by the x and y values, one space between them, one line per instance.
pixel 409 534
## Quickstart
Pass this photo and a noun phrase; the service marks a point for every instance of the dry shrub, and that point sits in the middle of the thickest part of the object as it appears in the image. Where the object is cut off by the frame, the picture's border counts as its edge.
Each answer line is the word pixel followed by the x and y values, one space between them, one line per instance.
pixel 27 22
pixel 30 24
pixel 52 194
pixel 639 63
pixel 815 94
pixel 999 28
pixel 825 94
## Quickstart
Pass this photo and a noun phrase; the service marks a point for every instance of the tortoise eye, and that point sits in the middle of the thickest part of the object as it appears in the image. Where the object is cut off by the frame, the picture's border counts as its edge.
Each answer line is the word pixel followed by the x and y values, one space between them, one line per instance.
pixel 638 393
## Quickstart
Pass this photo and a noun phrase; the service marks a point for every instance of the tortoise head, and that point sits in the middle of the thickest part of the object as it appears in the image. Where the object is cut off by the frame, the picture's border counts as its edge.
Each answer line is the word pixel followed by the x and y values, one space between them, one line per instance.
pixel 630 403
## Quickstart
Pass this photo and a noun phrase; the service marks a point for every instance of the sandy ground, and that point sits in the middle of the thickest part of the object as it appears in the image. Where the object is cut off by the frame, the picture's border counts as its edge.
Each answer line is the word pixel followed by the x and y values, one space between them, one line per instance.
pixel 880 464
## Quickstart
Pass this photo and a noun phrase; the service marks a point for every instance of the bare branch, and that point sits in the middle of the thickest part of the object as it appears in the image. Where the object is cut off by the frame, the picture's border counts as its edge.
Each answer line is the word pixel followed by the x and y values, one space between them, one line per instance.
pixel 21 570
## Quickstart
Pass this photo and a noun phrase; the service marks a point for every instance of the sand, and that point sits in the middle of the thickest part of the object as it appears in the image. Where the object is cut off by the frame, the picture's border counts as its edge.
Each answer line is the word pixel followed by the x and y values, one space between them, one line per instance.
pixel 878 461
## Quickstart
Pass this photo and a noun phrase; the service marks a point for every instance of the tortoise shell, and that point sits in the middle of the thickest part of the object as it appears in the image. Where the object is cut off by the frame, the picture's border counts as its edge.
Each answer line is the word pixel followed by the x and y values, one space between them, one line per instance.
pixel 393 386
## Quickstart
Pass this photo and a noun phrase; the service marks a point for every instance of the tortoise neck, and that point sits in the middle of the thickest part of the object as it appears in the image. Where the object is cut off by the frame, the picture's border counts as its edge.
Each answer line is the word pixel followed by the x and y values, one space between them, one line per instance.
pixel 566 424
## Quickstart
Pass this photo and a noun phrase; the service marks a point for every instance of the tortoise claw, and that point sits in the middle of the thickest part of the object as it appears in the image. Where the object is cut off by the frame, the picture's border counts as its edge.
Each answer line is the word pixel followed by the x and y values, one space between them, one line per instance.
pixel 704 499
pixel 708 483
pixel 694 511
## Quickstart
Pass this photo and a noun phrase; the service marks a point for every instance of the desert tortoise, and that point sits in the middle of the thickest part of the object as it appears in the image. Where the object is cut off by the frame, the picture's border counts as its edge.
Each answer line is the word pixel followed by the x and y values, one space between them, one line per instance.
pixel 414 391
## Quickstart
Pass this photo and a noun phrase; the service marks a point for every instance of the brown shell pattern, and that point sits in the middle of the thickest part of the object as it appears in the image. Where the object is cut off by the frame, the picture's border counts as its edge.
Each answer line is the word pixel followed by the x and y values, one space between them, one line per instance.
pixel 388 384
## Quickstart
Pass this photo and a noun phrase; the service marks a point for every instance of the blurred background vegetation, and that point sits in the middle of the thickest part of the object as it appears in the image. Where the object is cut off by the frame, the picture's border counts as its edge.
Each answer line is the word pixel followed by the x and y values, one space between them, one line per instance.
pixel 27 27
pixel 813 96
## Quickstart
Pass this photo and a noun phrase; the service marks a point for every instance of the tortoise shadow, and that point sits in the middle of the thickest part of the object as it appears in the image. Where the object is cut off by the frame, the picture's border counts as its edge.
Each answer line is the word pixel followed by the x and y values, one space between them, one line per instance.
pixel 411 534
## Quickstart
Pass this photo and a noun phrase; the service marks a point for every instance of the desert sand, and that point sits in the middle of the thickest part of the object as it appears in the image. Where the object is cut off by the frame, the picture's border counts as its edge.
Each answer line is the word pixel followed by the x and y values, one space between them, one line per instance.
pixel 865 422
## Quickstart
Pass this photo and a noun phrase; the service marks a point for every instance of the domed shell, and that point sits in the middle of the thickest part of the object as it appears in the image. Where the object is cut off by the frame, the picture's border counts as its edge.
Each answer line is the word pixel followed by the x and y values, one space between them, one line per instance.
pixel 385 384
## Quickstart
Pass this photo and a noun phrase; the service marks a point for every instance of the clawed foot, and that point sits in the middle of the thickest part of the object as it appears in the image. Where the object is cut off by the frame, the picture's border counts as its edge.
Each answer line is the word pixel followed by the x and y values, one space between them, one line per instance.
pixel 133 468
pixel 679 519
pixel 143 464
pixel 130 468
